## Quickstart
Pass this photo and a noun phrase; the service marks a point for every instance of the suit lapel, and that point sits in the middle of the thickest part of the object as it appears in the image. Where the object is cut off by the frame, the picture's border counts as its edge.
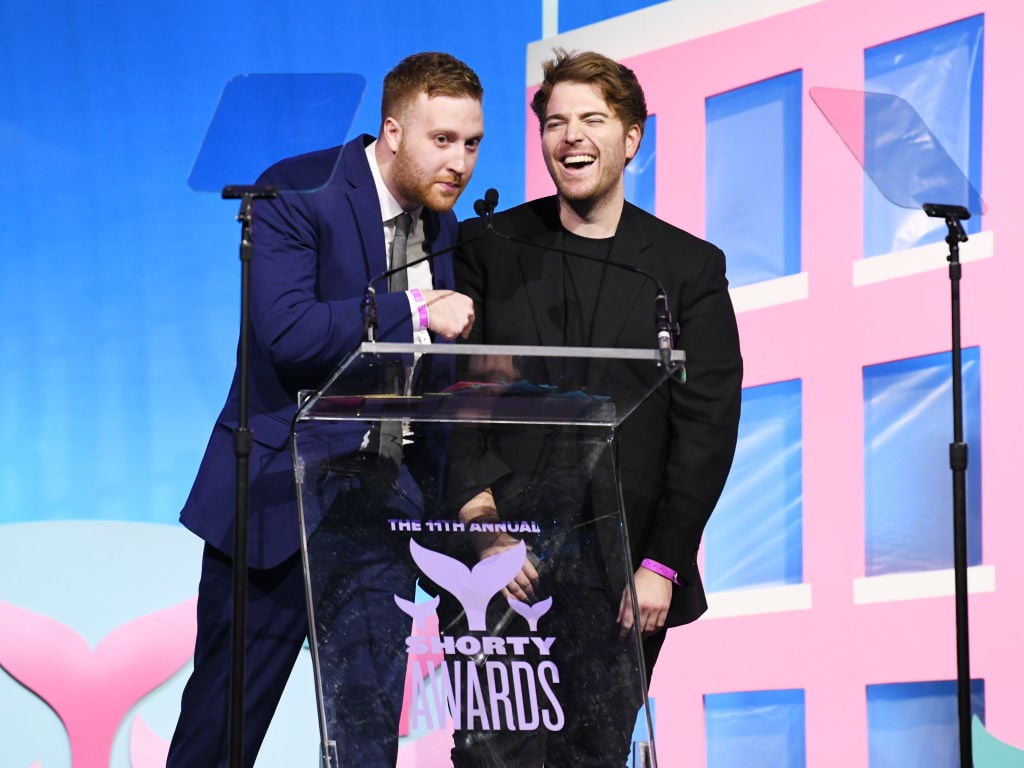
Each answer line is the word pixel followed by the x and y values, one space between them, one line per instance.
pixel 440 269
pixel 366 215
pixel 539 262
pixel 623 294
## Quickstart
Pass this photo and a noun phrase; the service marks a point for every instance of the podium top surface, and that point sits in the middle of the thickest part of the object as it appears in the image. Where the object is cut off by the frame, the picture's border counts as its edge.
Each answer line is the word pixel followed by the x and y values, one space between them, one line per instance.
pixel 584 386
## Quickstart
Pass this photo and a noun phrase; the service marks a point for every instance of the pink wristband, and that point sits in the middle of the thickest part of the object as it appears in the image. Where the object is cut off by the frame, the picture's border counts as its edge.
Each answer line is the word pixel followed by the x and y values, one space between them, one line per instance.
pixel 661 570
pixel 421 308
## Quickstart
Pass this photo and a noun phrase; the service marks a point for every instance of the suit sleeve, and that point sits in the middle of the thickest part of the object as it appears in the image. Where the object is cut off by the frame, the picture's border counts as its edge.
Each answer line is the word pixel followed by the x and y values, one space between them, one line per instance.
pixel 304 326
pixel 704 418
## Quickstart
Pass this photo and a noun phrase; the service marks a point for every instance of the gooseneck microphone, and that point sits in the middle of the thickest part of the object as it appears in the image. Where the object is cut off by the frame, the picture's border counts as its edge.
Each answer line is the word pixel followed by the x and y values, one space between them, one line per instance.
pixel 666 329
pixel 485 208
pixel 370 293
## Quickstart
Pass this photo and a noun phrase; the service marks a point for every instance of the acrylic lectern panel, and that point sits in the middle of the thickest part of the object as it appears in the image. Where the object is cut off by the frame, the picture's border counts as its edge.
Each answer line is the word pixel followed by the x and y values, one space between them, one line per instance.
pixel 491 632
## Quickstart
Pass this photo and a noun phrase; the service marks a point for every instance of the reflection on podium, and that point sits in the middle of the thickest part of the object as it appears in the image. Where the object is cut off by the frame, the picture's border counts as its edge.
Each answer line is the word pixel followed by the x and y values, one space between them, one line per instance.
pixel 464 600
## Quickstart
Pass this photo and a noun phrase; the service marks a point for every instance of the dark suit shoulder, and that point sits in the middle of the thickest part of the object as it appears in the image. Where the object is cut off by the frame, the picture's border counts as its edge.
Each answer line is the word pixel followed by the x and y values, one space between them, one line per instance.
pixel 661 231
pixel 525 220
pixel 313 170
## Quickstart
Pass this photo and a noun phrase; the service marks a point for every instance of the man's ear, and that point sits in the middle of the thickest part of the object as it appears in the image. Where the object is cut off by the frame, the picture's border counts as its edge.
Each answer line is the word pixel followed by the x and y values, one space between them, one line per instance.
pixel 391 132
pixel 633 136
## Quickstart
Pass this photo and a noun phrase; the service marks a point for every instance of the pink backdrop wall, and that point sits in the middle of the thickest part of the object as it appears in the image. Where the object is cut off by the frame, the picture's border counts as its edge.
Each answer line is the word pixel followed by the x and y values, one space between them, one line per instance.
pixel 836 647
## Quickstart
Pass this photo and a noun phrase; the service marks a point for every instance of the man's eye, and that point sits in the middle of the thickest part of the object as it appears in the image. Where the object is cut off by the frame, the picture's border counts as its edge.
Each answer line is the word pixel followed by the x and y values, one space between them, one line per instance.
pixel 441 139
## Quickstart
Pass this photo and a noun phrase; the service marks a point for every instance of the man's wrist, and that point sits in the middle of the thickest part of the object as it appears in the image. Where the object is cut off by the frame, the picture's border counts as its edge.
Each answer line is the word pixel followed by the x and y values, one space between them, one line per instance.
pixel 660 569
pixel 419 309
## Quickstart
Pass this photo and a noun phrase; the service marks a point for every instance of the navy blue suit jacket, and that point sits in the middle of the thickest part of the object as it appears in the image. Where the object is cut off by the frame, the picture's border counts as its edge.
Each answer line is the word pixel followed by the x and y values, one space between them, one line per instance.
pixel 314 254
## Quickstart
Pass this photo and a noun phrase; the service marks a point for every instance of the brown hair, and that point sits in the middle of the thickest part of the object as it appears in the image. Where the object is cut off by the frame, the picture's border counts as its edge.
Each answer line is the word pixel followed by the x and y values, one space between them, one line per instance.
pixel 435 74
pixel 617 84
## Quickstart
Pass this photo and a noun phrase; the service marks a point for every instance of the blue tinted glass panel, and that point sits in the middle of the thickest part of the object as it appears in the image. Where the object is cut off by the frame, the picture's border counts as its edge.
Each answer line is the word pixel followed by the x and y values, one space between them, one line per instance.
pixel 908 497
pixel 915 725
pixel 755 536
pixel 753 162
pixel 939 72
pixel 755 729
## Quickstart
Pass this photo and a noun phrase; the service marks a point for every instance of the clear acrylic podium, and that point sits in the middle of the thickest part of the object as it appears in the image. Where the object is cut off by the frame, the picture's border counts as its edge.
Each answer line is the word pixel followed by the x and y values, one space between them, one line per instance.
pixel 416 643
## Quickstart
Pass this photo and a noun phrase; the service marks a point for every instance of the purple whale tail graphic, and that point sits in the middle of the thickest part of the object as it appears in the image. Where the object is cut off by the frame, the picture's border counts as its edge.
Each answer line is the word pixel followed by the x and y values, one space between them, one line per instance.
pixel 531 613
pixel 90 690
pixel 473 589
pixel 419 612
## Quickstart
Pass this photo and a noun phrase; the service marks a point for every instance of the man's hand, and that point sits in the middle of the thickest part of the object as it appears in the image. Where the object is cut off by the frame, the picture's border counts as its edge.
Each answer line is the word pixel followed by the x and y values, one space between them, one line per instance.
pixel 450 314
pixel 481 508
pixel 653 593
pixel 525 582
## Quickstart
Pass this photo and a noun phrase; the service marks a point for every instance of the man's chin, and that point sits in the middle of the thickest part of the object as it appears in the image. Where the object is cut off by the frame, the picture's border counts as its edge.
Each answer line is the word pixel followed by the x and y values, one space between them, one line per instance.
pixel 441 203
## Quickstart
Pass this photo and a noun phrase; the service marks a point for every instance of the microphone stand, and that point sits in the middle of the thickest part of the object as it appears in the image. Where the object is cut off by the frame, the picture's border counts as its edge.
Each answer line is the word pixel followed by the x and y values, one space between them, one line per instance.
pixel 953 215
pixel 243 449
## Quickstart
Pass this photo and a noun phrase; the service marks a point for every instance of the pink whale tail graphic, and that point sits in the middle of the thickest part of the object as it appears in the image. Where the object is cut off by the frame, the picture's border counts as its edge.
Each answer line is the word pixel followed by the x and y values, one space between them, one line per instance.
pixel 531 613
pixel 473 589
pixel 148 749
pixel 92 690
pixel 419 612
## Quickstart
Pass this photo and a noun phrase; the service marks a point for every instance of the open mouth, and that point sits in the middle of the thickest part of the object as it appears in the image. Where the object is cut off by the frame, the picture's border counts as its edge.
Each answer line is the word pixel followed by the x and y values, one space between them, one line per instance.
pixel 578 161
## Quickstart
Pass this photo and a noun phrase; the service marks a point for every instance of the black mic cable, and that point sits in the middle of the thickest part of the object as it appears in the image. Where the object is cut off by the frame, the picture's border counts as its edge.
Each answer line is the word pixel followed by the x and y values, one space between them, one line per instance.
pixel 666 329
pixel 370 293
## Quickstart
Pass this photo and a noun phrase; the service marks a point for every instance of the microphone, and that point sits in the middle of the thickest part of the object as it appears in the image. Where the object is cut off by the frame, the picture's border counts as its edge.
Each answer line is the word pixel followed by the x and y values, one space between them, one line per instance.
pixel 666 329
pixel 489 203
pixel 485 208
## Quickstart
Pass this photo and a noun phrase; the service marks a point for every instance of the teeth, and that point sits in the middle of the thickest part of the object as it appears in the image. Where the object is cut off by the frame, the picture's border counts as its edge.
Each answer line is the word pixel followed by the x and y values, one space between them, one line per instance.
pixel 579 159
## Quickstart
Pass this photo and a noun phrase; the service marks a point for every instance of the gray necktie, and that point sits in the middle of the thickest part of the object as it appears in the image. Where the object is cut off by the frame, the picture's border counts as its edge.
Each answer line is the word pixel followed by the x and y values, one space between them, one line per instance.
pixel 385 438
pixel 399 281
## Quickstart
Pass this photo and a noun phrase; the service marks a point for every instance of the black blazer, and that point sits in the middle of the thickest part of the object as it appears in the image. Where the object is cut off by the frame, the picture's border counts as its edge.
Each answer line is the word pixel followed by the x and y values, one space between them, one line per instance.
pixel 676 449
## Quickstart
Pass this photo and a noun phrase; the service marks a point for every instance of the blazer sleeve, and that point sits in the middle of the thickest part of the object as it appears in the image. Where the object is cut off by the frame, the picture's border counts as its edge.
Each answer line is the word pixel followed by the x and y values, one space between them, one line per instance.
pixel 703 421
pixel 314 254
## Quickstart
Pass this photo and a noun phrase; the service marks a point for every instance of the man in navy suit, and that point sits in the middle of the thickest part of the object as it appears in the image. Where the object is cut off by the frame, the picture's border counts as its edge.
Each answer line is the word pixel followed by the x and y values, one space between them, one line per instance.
pixel 314 253
pixel 674 451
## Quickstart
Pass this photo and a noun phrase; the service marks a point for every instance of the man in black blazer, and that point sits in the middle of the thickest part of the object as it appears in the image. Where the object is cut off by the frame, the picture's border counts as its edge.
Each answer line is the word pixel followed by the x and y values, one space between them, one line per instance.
pixel 532 287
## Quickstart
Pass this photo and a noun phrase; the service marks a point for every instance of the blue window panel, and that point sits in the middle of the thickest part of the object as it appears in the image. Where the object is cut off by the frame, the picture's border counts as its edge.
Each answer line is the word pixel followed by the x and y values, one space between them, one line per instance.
pixel 915 725
pixel 753 167
pixel 755 536
pixel 579 13
pixel 939 73
pixel 755 729
pixel 640 173
pixel 908 497
pixel 641 734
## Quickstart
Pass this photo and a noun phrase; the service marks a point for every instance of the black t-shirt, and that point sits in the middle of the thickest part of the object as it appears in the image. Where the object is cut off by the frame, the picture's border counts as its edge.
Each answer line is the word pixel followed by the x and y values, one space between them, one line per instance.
pixel 584 279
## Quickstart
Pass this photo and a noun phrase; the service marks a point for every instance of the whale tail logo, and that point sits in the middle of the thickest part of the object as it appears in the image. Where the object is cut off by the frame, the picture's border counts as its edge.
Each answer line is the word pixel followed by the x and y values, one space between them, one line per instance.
pixel 420 612
pixel 90 690
pixel 531 613
pixel 472 588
